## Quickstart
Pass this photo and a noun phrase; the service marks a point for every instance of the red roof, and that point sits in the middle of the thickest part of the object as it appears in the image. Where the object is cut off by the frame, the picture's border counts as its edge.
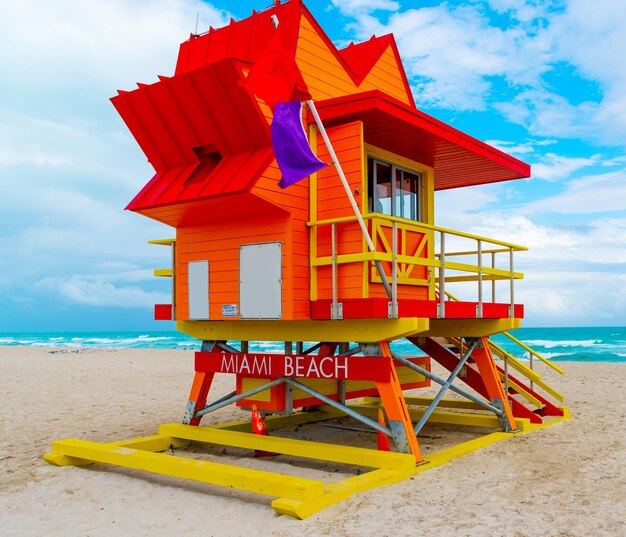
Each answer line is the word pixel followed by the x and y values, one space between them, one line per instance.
pixel 246 39
pixel 458 159
pixel 204 108
pixel 206 136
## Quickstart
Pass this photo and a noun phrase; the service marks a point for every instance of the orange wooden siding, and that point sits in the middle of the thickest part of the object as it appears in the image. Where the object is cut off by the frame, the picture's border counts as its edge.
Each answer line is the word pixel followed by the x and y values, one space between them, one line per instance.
pixel 326 77
pixel 296 253
pixel 332 202
pixel 219 244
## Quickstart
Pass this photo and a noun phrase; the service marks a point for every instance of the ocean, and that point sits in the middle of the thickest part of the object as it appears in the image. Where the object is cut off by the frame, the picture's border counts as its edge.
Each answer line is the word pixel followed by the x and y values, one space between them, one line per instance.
pixel 596 344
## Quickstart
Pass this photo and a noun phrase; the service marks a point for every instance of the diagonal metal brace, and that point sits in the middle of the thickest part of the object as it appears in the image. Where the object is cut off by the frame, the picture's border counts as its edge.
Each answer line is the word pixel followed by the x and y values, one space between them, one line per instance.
pixel 445 386
pixel 454 388
pixel 220 403
pixel 342 408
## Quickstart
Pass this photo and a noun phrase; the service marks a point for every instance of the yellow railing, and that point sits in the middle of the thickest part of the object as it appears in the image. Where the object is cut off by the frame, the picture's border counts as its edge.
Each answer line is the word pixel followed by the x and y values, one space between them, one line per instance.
pixel 433 250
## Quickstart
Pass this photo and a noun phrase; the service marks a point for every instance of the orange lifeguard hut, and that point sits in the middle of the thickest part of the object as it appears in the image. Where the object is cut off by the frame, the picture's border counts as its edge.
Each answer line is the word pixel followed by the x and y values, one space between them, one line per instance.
pixel 335 267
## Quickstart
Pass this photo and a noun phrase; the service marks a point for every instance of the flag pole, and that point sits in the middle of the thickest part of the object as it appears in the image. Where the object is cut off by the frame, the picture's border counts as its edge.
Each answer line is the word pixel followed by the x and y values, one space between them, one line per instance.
pixel 348 190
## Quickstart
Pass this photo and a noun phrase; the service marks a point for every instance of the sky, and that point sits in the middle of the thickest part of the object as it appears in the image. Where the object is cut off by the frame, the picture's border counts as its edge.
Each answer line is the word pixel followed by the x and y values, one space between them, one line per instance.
pixel 544 80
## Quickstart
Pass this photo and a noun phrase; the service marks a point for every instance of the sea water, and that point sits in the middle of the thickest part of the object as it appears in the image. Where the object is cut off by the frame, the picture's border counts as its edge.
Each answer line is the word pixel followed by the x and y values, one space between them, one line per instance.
pixel 596 344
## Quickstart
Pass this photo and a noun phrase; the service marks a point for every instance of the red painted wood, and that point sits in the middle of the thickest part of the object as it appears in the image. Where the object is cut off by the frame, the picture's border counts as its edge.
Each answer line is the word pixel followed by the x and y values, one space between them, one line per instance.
pixel 459 159
pixel 376 308
pixel 280 365
pixel 472 377
pixel 162 312
pixel 549 409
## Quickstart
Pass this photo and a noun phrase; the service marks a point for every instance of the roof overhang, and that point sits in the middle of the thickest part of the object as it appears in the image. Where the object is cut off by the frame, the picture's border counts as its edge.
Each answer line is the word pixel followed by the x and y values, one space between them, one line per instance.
pixel 457 159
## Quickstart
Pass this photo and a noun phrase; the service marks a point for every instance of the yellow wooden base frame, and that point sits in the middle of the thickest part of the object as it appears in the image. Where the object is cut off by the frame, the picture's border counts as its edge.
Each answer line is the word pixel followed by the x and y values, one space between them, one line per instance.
pixel 297 497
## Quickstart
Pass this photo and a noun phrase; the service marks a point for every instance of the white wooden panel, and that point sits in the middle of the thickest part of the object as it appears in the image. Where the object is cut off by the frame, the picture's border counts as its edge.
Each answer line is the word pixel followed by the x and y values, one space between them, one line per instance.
pixel 198 290
pixel 260 281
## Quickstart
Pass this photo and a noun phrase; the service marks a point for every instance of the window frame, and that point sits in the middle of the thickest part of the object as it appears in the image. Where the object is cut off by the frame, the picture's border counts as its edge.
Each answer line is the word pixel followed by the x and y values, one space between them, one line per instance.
pixel 394 190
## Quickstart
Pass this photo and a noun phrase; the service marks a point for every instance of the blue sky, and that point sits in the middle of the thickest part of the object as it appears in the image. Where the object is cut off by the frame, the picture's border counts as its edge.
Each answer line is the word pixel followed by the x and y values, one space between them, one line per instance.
pixel 543 80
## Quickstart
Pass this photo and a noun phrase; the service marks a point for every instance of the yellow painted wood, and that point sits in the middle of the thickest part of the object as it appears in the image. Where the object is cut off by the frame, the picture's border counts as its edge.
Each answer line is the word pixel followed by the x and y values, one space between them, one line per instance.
pixel 394 158
pixel 314 498
pixel 522 368
pixel 345 330
pixel 340 491
pixel 425 401
pixel 536 354
pixel 439 416
pixel 522 391
pixel 365 282
pixel 420 226
pixel 164 272
pixel 261 482
pixel 248 384
pixel 289 446
pixel 313 216
pixel 58 459
pixel 162 242
pixel 279 421
pixel 155 442
pixel 147 443
pixel 344 489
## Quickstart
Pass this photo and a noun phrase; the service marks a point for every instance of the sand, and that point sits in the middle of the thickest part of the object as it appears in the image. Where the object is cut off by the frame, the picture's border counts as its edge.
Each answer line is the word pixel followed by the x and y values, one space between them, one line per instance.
pixel 566 480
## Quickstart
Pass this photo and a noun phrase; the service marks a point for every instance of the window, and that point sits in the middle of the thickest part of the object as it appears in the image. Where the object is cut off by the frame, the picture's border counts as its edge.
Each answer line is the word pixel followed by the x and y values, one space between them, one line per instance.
pixel 393 190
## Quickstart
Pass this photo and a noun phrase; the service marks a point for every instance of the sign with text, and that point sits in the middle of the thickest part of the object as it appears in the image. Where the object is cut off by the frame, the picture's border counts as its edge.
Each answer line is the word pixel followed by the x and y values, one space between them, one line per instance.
pixel 374 368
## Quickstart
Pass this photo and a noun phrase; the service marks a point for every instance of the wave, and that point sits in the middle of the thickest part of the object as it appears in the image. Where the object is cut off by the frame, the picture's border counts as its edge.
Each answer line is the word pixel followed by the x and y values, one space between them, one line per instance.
pixel 551 343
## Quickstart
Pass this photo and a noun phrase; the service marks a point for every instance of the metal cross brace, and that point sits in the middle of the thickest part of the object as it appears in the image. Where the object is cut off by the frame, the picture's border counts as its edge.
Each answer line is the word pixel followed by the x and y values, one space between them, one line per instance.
pixel 445 386
pixel 343 408
pixel 220 403
pixel 452 387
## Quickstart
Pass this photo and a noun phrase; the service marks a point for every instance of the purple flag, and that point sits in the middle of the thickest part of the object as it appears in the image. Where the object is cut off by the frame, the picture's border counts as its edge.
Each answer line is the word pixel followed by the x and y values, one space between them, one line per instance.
pixel 291 147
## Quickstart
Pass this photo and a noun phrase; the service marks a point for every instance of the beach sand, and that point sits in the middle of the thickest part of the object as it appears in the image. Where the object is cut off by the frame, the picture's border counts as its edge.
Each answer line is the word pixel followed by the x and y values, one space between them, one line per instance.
pixel 565 480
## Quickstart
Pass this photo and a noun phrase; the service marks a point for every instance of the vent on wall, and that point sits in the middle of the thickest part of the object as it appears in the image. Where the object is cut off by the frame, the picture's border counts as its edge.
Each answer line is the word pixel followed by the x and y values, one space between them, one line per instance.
pixel 209 158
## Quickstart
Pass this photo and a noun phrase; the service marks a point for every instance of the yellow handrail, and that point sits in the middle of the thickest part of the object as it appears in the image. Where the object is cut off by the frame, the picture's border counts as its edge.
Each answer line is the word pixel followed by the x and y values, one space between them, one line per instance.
pixel 519 366
pixel 419 225
pixel 535 353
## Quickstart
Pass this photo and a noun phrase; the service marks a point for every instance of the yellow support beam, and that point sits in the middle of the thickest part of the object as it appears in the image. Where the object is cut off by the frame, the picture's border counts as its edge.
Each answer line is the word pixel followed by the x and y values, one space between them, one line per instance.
pixel 536 354
pixel 163 272
pixel 297 497
pixel 289 446
pixel 340 331
pixel 162 242
pixel 526 371
pixel 464 404
pixel 344 489
pixel 279 421
pixel 235 477
pixel 337 492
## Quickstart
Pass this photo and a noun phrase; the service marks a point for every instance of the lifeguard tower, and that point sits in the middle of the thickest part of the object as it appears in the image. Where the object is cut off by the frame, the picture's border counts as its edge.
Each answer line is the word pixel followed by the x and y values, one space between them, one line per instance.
pixel 336 268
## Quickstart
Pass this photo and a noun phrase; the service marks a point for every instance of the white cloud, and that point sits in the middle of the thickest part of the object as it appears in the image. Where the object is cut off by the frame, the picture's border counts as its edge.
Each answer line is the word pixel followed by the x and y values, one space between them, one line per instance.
pixel 458 59
pixel 545 113
pixel 553 167
pixel 574 270
pixel 103 291
pixel 555 298
pixel 453 51
pixel 352 7
pixel 591 37
pixel 512 148
pixel 522 10
pixel 68 164
pixel 590 194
